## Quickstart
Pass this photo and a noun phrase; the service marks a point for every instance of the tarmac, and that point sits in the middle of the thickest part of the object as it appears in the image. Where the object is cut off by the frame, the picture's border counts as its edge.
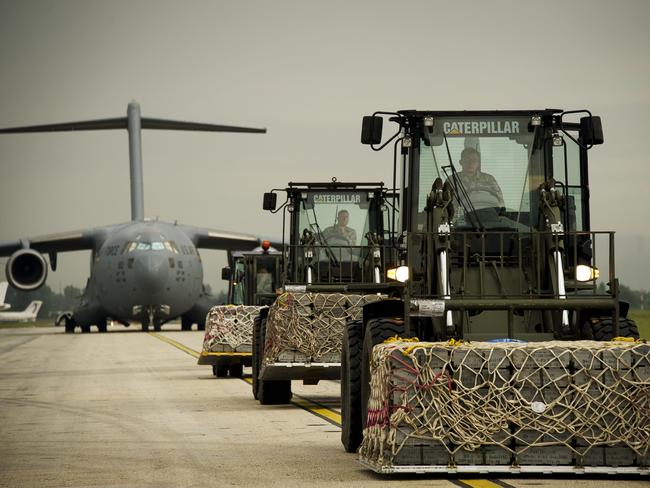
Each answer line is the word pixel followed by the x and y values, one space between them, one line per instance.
pixel 128 408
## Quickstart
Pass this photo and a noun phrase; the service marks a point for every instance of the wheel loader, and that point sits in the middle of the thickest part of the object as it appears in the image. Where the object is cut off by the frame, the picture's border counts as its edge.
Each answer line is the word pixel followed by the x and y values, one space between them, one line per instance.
pixel 495 349
pixel 337 245
pixel 253 277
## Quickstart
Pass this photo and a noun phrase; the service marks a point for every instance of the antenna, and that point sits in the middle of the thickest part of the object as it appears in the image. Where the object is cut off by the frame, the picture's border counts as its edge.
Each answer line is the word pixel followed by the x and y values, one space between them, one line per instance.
pixel 133 122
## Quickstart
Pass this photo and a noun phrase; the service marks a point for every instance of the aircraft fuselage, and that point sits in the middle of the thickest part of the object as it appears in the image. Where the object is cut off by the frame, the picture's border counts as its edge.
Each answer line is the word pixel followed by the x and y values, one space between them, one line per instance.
pixel 143 271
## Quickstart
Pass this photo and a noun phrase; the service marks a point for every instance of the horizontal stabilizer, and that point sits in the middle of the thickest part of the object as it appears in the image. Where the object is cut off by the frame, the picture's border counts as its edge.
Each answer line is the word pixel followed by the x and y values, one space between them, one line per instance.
pixel 163 124
pixel 118 123
pixel 121 123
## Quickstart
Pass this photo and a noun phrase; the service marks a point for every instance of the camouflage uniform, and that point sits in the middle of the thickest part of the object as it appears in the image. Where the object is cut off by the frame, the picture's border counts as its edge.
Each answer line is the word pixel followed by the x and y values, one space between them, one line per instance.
pixel 477 182
pixel 342 233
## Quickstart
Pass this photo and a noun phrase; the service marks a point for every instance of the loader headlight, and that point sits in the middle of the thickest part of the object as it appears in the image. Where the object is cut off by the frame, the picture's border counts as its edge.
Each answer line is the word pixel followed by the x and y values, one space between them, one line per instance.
pixel 401 273
pixel 586 273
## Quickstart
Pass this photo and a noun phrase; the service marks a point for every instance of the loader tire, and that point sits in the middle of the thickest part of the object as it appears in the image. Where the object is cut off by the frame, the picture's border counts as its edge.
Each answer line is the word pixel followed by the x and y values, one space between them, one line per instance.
pixel 377 331
pixel 602 329
pixel 256 360
pixel 236 370
pixel 351 427
pixel 220 370
pixel 271 392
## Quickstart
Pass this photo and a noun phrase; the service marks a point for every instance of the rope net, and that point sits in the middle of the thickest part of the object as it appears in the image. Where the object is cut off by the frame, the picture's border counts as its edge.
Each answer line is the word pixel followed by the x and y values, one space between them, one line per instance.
pixel 581 403
pixel 308 327
pixel 229 328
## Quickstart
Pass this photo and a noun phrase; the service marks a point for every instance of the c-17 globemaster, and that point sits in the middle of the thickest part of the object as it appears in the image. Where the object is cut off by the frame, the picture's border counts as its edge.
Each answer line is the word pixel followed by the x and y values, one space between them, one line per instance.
pixel 143 270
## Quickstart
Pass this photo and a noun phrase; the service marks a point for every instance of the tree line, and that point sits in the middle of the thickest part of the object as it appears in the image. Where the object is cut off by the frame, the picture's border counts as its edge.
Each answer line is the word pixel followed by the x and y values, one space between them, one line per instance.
pixel 55 303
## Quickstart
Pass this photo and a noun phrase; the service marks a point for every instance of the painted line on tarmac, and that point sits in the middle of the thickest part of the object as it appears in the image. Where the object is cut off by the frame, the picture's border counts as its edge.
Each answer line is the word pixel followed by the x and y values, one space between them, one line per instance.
pixel 177 345
pixel 325 413
pixel 321 411
pixel 470 483
pixel 333 417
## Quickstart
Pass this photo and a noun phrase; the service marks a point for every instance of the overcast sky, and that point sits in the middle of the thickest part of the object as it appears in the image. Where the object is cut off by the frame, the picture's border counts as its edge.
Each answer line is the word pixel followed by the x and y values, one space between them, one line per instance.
pixel 308 71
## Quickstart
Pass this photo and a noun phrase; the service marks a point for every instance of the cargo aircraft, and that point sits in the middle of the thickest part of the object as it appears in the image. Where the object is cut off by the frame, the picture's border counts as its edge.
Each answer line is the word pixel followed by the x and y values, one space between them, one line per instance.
pixel 143 270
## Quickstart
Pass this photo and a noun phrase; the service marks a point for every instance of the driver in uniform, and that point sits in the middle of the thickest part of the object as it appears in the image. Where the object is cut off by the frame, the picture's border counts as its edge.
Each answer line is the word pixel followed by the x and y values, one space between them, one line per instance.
pixel 341 231
pixel 473 180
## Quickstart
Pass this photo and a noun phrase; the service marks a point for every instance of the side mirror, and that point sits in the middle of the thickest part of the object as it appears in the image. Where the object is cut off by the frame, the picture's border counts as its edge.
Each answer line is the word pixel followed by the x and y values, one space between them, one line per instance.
pixel 371 129
pixel 270 201
pixel 591 131
pixel 225 273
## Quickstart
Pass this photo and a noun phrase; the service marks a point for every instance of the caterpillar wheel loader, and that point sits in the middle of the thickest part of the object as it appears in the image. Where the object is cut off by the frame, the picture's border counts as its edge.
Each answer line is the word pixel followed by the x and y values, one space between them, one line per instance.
pixel 253 277
pixel 502 344
pixel 335 249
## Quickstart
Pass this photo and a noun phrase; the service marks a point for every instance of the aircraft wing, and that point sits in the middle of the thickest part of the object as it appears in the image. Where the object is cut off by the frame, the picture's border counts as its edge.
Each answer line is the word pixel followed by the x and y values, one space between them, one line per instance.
pixel 52 243
pixel 220 239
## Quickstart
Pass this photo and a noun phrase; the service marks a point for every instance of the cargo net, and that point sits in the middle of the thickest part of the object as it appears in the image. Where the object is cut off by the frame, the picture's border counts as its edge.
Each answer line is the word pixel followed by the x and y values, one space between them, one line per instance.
pixel 554 403
pixel 230 328
pixel 308 327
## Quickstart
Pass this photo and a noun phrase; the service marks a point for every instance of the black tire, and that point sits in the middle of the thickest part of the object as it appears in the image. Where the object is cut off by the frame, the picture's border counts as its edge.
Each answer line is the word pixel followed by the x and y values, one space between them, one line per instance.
pixel 351 427
pixel 102 326
pixel 85 329
pixel 256 354
pixel 236 370
pixel 377 331
pixel 271 392
pixel 220 370
pixel 602 329
pixel 69 326
pixel 186 323
pixel 145 325
pixel 200 326
pixel 157 326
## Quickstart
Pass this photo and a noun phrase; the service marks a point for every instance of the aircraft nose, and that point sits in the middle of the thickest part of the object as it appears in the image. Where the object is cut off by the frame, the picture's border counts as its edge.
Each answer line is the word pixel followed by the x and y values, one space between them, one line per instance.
pixel 151 272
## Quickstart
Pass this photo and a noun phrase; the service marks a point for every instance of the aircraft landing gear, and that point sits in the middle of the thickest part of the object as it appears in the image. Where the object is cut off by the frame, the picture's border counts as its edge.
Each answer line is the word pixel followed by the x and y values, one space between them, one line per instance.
pixel 70 325
pixel 186 323
pixel 85 329
pixel 102 325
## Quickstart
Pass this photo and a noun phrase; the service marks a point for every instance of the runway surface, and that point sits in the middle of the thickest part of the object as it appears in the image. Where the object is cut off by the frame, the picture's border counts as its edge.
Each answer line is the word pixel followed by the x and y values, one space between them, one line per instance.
pixel 133 409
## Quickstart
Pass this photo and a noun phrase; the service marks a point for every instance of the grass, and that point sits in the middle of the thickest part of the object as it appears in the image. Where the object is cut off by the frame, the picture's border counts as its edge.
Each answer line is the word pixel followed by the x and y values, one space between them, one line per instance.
pixel 642 319
pixel 22 325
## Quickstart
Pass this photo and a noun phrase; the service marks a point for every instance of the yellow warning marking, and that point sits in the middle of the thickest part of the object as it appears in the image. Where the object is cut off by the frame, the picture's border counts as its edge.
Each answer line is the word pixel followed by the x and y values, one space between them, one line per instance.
pixel 306 404
pixel 234 353
pixel 177 345
pixel 480 483
pixel 316 409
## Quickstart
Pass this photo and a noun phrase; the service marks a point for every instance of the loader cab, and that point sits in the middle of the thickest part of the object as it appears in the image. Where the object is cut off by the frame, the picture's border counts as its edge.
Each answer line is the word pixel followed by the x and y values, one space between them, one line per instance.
pixel 495 162
pixel 335 232
pixel 253 276
pixel 493 239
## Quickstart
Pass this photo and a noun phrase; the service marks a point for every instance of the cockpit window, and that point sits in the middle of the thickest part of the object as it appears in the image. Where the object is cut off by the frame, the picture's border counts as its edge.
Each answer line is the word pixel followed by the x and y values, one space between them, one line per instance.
pixel 150 246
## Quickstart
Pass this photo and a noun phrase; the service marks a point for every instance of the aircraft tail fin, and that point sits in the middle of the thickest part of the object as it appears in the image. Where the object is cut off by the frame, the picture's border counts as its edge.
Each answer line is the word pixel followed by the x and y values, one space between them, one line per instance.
pixel 3 291
pixel 33 308
pixel 133 122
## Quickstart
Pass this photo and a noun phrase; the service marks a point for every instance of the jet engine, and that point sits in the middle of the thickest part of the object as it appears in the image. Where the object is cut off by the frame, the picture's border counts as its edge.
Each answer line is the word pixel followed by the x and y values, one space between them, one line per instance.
pixel 26 270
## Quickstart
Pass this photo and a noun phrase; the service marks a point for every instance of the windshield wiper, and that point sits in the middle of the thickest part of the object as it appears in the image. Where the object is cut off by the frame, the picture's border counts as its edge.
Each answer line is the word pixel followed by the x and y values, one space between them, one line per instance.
pixel 322 240
pixel 463 198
